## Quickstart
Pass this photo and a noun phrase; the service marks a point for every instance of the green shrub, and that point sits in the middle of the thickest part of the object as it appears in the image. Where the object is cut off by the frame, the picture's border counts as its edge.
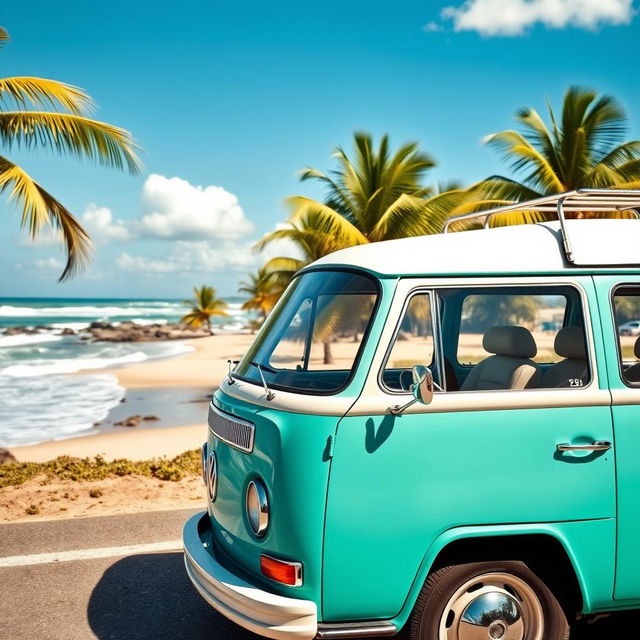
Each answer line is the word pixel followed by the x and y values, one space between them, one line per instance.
pixel 88 469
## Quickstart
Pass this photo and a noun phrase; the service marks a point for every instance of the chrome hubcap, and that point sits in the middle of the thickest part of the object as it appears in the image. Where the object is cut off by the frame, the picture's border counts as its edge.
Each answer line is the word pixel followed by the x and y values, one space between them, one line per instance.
pixel 493 606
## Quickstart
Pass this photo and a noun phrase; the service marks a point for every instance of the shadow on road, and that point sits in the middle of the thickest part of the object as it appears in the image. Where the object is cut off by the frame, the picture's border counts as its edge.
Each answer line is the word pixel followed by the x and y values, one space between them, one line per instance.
pixel 150 596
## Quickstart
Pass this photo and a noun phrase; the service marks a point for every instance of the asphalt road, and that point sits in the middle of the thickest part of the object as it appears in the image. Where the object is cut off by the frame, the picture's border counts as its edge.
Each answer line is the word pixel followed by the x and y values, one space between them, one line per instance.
pixel 137 597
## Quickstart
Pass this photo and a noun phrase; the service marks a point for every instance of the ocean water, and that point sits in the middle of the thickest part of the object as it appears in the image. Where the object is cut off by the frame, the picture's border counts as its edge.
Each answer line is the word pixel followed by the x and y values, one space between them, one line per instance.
pixel 37 401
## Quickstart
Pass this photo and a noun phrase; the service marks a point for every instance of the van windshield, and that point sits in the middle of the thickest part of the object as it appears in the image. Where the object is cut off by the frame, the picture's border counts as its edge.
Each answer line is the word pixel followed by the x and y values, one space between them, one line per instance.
pixel 313 338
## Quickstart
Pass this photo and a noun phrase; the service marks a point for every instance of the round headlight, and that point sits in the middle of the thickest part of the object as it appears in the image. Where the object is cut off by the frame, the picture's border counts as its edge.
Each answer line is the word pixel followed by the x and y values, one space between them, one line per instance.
pixel 212 475
pixel 257 507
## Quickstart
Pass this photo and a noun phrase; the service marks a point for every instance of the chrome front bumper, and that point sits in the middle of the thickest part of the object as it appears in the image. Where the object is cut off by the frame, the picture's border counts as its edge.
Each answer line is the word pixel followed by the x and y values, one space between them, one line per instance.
pixel 261 612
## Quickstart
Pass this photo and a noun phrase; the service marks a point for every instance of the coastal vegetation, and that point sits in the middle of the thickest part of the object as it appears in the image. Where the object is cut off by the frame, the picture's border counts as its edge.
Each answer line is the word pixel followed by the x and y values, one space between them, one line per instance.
pixel 261 291
pixel 43 113
pixel 204 306
pixel 97 468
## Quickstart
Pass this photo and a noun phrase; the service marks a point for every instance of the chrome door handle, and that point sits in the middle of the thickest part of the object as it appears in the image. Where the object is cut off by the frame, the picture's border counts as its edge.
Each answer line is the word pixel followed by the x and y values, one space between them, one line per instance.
pixel 598 445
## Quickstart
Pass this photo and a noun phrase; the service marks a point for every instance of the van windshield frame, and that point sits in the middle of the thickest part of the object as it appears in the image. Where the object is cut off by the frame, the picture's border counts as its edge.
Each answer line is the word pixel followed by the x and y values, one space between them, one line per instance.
pixel 316 303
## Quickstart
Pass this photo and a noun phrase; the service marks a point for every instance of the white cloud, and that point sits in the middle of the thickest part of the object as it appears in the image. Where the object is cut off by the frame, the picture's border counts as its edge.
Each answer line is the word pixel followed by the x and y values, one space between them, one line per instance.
pixel 47 236
pixel 175 209
pixel 45 264
pixel 198 256
pixel 513 17
pixel 126 262
pixel 432 27
pixel 99 222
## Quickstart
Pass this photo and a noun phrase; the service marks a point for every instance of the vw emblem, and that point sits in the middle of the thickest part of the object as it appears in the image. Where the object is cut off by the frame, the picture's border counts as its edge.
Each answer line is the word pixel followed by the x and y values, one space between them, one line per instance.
pixel 211 475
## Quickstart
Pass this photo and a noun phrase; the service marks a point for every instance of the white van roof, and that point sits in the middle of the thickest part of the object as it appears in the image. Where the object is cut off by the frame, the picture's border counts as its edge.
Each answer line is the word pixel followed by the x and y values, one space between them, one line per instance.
pixel 528 248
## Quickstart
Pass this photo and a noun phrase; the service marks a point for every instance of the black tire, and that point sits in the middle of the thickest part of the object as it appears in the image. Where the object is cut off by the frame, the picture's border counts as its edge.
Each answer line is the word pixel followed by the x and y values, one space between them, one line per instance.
pixel 441 586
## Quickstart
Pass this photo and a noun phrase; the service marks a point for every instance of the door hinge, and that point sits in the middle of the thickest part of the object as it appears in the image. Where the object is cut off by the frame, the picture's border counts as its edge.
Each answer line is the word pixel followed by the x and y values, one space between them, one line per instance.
pixel 331 444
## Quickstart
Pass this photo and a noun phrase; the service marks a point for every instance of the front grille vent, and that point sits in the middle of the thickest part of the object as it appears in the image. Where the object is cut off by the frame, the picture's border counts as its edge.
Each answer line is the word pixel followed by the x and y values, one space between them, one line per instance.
pixel 235 432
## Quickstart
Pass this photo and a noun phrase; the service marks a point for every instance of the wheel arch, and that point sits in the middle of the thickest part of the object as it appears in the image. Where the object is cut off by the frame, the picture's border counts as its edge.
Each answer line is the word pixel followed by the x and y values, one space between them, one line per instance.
pixel 540 546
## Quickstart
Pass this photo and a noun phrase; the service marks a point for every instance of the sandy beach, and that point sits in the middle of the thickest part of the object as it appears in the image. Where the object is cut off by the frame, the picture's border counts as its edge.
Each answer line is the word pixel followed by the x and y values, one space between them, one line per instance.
pixel 175 390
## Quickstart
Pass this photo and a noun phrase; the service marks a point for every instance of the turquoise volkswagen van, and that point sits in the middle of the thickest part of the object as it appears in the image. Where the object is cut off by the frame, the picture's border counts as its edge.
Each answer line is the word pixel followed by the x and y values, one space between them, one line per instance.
pixel 438 436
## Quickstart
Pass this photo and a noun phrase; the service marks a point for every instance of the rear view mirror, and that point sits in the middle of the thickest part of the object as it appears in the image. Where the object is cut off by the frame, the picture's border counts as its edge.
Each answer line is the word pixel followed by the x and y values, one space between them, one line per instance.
pixel 422 386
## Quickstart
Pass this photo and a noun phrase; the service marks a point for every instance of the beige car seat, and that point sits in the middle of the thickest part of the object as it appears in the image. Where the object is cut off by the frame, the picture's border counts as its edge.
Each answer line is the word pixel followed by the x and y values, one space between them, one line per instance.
pixel 573 371
pixel 632 374
pixel 510 367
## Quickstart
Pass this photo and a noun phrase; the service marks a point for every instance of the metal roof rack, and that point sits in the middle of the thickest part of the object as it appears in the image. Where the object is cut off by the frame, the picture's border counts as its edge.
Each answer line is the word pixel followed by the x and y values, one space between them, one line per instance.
pixel 600 200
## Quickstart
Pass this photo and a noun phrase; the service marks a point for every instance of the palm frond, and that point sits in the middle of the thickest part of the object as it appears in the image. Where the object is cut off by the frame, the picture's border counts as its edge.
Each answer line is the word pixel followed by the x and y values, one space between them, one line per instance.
pixel 40 209
pixel 283 264
pixel 411 216
pixel 4 36
pixel 328 220
pixel 523 155
pixel 540 135
pixel 69 133
pixel 42 92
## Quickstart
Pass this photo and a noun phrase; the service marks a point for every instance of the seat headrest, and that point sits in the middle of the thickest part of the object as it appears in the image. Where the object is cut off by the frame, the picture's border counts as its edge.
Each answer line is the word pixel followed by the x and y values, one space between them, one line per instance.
pixel 510 341
pixel 636 348
pixel 569 343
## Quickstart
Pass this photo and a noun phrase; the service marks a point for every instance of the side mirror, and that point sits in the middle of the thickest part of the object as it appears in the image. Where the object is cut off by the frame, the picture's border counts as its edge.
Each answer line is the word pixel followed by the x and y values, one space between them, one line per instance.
pixel 422 387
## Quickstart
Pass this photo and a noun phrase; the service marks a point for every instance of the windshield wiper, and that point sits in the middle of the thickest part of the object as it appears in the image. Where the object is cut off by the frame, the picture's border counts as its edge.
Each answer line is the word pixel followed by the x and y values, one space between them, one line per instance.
pixel 268 392
pixel 232 365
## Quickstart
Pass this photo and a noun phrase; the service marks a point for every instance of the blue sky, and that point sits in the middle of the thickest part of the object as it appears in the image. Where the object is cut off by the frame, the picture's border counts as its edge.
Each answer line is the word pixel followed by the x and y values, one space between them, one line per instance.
pixel 235 97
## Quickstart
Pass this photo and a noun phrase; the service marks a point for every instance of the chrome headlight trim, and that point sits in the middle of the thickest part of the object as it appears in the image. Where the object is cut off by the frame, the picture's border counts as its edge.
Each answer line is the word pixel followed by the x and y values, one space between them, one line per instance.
pixel 257 507
pixel 203 462
pixel 211 481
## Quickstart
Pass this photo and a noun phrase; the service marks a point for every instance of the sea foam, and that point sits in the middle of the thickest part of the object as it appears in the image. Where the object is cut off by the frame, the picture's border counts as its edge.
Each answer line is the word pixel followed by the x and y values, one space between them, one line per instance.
pixel 40 408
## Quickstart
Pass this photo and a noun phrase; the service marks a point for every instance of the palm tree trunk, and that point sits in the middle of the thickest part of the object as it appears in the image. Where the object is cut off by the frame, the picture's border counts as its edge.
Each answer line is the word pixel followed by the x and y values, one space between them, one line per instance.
pixel 328 357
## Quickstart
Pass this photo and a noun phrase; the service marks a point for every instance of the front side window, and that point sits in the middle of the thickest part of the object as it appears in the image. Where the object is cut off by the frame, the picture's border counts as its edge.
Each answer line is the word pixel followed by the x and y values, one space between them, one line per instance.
pixel 412 345
pixel 626 307
pixel 313 339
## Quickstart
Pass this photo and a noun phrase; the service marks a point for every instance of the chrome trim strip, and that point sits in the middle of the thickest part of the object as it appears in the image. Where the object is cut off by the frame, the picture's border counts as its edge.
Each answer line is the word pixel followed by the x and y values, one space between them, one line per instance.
pixel 237 433
pixel 356 630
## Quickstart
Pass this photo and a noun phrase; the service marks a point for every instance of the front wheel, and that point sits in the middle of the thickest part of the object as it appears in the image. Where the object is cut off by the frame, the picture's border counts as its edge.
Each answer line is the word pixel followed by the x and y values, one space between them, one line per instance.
pixel 487 601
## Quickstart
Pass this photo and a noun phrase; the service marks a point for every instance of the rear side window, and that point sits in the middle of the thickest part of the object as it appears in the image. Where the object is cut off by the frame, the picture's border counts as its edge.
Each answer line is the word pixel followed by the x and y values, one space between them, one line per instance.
pixel 626 309
pixel 543 315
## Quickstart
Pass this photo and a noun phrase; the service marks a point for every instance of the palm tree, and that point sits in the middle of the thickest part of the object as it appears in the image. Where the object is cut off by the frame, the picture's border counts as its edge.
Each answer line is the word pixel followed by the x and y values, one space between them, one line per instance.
pixel 374 196
pixel 262 291
pixel 50 114
pixel 582 148
pixel 204 306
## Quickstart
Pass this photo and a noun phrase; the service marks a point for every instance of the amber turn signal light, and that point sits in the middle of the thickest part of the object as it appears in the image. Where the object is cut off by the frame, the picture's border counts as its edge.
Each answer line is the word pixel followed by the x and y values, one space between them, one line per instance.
pixel 281 571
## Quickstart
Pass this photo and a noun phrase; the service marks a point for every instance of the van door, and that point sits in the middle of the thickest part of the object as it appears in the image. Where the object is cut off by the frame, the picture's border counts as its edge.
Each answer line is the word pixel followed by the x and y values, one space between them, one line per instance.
pixel 481 456
pixel 619 300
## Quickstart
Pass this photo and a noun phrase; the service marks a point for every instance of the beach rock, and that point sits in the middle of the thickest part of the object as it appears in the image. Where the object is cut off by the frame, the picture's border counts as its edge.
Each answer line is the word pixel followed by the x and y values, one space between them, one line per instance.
pixel 98 324
pixel 19 331
pixel 68 332
pixel 132 332
pixel 131 421
pixel 151 418
pixel 6 456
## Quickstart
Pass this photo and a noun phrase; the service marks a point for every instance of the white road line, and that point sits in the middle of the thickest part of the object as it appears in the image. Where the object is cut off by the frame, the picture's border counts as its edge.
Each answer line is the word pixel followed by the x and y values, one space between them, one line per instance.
pixel 89 554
